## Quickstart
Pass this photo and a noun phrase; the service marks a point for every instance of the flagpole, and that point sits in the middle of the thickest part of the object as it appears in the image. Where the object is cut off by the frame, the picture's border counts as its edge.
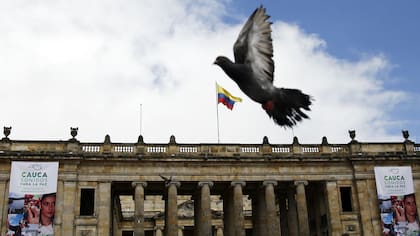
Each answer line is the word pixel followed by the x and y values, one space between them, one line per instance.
pixel 141 117
pixel 217 115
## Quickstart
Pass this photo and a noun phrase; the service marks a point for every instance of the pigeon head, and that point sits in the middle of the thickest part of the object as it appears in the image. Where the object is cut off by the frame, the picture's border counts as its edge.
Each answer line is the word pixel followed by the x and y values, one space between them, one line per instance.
pixel 222 61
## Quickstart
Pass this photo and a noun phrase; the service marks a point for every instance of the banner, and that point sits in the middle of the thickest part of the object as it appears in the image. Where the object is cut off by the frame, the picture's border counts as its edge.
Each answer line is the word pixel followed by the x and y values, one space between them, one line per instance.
pixel 32 194
pixel 397 201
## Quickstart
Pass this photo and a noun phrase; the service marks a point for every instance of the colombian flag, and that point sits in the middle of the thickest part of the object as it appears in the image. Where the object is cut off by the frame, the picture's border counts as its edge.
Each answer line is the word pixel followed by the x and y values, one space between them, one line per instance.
pixel 223 96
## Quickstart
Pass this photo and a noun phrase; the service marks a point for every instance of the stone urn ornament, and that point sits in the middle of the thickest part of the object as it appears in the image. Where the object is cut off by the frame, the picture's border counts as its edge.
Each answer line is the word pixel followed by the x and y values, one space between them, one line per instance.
pixel 352 134
pixel 73 132
pixel 6 132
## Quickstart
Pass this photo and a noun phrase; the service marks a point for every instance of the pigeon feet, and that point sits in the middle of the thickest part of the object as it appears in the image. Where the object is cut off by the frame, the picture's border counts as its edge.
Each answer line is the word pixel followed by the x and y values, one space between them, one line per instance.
pixel 268 106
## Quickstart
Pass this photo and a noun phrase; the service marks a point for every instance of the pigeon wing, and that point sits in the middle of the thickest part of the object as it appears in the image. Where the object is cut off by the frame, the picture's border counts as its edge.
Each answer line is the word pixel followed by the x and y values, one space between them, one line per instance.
pixel 254 45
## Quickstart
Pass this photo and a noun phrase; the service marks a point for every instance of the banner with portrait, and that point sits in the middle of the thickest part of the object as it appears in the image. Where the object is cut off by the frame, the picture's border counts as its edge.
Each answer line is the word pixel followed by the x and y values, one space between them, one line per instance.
pixel 32 194
pixel 397 201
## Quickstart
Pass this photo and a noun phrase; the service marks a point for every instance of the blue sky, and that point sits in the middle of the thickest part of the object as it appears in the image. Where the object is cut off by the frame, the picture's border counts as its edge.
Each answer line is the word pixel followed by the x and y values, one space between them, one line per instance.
pixel 90 64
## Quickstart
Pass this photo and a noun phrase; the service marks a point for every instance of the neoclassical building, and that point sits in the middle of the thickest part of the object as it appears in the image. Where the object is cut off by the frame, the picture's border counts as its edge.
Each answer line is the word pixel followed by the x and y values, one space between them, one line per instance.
pixel 174 189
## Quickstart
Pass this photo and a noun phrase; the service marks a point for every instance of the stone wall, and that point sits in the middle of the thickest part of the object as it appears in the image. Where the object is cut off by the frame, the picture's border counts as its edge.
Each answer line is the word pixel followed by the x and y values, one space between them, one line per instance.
pixel 306 182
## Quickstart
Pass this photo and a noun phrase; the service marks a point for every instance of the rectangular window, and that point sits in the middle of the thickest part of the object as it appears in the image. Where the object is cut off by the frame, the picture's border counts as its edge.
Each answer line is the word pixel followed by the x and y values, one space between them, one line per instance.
pixel 87 201
pixel 127 233
pixel 346 202
pixel 148 233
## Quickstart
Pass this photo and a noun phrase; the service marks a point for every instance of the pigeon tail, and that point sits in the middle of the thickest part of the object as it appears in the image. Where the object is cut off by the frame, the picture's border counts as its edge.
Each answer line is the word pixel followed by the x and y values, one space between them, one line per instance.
pixel 286 106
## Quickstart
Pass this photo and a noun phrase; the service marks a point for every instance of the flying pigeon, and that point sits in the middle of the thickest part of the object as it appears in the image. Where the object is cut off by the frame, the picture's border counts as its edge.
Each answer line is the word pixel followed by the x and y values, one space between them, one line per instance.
pixel 253 71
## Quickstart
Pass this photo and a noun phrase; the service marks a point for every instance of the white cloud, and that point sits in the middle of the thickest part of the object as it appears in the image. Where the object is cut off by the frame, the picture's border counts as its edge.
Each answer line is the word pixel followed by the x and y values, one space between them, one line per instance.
pixel 91 64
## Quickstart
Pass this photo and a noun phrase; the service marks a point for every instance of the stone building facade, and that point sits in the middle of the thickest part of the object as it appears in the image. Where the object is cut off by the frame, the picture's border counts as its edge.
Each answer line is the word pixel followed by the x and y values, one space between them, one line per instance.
pixel 175 189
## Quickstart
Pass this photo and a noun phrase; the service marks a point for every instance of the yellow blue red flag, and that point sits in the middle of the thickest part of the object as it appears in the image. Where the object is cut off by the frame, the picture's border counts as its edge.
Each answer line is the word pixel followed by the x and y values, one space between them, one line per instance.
pixel 224 97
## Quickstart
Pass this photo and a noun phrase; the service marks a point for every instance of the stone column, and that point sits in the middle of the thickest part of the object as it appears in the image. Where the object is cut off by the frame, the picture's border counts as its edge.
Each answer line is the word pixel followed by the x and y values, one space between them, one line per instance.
pixel 273 221
pixel 333 207
pixel 302 208
pixel 373 206
pixel 292 213
pixel 264 211
pixel 139 207
pixel 238 208
pixel 4 192
pixel 171 209
pixel 104 208
pixel 366 218
pixel 219 231
pixel 283 213
pixel 68 208
pixel 158 231
pixel 59 200
pixel 180 231
pixel 202 209
pixel 232 209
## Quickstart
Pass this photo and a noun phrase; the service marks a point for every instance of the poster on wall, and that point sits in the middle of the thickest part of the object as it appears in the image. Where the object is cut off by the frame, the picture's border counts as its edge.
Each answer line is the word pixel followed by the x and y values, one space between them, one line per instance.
pixel 32 194
pixel 397 201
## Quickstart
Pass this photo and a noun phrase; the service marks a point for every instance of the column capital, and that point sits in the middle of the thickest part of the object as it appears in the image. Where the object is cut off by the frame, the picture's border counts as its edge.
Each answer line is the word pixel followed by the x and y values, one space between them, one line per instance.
pixel 300 182
pixel 234 183
pixel 270 182
pixel 158 227
pixel 176 183
pixel 136 183
pixel 202 183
